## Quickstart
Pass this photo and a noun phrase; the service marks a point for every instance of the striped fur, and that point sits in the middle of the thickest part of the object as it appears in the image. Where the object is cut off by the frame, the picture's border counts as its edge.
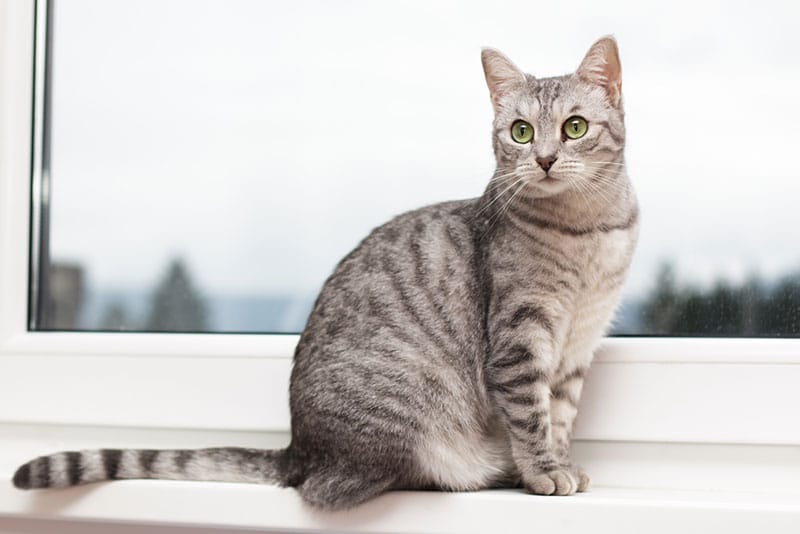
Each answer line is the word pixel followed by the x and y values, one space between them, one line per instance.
pixel 71 468
pixel 449 349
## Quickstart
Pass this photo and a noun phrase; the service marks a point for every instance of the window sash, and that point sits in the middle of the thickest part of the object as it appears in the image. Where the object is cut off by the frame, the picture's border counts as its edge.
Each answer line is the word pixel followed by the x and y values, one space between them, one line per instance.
pixel 649 390
pixel 642 389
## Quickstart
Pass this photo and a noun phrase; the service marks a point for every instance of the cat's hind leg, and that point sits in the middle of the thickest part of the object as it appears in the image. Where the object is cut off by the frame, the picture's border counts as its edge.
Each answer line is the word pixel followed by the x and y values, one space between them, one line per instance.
pixel 342 486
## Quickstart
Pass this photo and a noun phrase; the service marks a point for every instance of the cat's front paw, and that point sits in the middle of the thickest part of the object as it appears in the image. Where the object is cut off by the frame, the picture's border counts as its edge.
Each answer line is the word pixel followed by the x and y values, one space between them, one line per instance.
pixel 579 475
pixel 559 481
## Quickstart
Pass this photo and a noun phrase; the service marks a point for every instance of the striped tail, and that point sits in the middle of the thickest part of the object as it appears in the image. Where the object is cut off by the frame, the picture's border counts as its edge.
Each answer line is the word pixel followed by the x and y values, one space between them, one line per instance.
pixel 228 464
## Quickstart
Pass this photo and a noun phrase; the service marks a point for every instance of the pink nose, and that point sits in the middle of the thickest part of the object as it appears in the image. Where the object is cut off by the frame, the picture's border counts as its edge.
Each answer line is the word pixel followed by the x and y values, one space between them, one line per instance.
pixel 546 162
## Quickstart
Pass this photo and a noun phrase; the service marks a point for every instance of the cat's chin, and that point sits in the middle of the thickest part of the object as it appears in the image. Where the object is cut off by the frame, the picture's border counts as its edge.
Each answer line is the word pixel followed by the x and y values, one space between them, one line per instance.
pixel 548 187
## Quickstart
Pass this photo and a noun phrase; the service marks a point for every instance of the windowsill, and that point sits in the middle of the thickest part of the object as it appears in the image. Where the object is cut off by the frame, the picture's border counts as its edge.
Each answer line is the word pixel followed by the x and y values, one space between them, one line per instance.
pixel 640 487
pixel 218 506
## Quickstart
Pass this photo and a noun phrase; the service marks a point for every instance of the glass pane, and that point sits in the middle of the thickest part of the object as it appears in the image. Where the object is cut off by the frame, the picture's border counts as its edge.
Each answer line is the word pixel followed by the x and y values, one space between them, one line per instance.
pixel 212 161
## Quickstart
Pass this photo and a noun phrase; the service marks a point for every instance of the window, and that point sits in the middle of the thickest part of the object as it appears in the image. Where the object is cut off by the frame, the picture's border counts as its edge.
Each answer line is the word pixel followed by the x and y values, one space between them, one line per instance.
pixel 210 163
pixel 238 382
pixel 181 373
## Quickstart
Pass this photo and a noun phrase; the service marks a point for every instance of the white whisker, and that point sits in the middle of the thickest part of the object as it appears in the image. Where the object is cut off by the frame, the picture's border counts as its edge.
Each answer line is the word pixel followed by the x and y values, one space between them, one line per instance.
pixel 496 217
pixel 497 197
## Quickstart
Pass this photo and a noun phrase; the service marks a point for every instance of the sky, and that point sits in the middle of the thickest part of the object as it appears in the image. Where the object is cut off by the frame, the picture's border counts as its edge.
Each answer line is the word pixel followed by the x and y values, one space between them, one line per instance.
pixel 262 140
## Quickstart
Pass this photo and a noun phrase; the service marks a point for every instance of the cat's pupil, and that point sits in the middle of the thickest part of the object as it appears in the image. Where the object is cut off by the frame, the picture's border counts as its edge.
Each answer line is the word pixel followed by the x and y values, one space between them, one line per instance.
pixel 575 125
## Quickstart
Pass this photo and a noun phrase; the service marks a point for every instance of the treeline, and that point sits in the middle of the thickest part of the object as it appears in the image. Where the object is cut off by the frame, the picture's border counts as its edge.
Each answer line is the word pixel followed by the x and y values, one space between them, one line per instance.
pixel 754 308
pixel 176 305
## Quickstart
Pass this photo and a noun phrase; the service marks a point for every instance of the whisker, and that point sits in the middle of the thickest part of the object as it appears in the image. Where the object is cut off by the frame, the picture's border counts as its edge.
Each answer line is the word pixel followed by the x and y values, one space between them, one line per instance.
pixel 594 188
pixel 496 217
pixel 503 179
pixel 609 177
pixel 617 163
pixel 608 182
pixel 597 191
pixel 602 192
pixel 496 198
pixel 581 187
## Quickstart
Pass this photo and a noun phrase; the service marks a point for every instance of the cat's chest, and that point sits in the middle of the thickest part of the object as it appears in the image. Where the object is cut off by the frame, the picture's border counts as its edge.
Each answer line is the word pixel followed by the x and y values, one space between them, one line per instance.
pixel 609 254
pixel 592 308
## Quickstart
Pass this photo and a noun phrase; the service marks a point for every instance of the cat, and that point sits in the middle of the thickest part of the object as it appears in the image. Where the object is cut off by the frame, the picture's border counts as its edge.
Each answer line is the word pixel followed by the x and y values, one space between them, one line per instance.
pixel 448 350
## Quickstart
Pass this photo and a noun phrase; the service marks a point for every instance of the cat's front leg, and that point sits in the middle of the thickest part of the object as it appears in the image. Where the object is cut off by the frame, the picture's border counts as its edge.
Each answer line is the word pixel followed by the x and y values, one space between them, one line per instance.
pixel 518 375
pixel 565 395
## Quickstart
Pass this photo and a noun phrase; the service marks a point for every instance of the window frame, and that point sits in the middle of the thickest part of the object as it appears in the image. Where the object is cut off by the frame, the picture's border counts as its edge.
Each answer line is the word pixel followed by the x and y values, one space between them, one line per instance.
pixel 239 382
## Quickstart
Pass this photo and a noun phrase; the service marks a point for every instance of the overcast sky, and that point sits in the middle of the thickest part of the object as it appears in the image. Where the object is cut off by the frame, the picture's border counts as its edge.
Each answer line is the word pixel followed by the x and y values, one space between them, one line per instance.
pixel 262 140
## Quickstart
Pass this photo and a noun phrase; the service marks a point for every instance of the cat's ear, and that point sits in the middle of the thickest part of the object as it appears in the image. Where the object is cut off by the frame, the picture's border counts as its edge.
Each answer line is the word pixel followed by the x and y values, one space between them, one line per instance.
pixel 502 76
pixel 601 67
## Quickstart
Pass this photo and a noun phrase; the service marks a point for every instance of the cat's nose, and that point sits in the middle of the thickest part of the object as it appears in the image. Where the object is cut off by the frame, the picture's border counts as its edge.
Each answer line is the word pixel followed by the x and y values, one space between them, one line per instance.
pixel 545 162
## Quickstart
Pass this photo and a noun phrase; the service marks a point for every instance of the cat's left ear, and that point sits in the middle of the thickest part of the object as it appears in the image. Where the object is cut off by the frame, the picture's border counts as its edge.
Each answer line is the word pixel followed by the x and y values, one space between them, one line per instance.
pixel 502 76
pixel 601 67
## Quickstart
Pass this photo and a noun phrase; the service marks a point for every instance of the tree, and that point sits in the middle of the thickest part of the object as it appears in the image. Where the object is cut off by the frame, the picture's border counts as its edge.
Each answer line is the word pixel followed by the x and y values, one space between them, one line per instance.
pixel 661 308
pixel 752 309
pixel 116 317
pixel 177 306
pixel 783 315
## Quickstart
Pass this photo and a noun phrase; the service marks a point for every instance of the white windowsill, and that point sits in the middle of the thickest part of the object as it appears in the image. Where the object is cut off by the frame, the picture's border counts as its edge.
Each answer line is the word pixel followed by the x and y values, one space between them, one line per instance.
pixel 218 506
pixel 640 487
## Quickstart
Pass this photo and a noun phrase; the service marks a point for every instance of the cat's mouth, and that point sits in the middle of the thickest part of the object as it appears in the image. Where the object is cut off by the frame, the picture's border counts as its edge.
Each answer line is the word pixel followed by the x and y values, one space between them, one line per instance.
pixel 550 185
pixel 548 180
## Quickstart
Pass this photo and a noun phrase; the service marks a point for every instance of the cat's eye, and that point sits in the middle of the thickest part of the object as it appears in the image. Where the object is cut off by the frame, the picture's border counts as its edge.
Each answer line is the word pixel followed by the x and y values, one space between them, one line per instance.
pixel 521 132
pixel 575 127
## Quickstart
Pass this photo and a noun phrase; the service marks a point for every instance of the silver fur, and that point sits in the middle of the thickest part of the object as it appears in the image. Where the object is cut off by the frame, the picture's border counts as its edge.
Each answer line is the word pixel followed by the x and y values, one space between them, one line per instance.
pixel 448 350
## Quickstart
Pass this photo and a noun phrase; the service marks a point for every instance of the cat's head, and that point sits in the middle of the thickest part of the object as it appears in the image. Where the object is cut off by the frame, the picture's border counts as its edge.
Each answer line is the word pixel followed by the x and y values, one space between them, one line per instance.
pixel 562 133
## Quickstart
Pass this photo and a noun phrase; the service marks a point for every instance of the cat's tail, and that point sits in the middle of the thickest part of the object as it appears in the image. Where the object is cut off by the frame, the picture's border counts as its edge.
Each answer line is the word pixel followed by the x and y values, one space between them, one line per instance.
pixel 228 464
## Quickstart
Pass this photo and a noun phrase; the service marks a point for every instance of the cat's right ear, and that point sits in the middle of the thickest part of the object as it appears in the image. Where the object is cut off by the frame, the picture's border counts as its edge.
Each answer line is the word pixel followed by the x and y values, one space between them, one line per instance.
pixel 601 67
pixel 502 76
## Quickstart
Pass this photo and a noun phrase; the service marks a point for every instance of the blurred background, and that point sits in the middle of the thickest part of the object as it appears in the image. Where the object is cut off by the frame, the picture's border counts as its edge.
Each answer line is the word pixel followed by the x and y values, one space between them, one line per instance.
pixel 211 161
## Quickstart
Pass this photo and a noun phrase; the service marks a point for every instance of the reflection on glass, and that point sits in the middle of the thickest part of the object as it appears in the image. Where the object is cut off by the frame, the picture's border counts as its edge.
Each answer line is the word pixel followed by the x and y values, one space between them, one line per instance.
pixel 209 176
pixel 175 304
pixel 754 308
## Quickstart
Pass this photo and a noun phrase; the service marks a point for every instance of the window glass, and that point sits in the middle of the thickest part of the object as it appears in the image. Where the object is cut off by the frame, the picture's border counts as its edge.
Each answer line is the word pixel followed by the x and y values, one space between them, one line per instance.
pixel 211 161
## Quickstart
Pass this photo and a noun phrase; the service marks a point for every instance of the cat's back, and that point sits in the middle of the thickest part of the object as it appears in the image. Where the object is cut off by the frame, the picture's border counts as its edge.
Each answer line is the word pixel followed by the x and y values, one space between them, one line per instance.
pixel 413 279
pixel 405 307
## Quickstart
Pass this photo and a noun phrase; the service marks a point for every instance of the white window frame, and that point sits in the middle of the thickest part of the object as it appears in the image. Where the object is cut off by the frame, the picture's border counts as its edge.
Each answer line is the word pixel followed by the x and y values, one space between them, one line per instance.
pixel 700 390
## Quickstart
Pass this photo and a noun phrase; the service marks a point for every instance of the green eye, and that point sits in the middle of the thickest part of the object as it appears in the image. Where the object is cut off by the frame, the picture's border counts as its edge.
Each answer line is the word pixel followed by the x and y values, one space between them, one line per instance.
pixel 521 132
pixel 575 127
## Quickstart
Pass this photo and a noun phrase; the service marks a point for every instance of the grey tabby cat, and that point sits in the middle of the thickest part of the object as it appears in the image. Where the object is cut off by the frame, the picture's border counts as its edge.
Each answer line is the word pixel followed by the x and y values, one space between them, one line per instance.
pixel 448 350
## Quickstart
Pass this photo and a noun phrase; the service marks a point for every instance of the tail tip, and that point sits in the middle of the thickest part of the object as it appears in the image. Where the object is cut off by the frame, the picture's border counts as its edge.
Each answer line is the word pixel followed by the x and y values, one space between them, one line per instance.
pixel 22 478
